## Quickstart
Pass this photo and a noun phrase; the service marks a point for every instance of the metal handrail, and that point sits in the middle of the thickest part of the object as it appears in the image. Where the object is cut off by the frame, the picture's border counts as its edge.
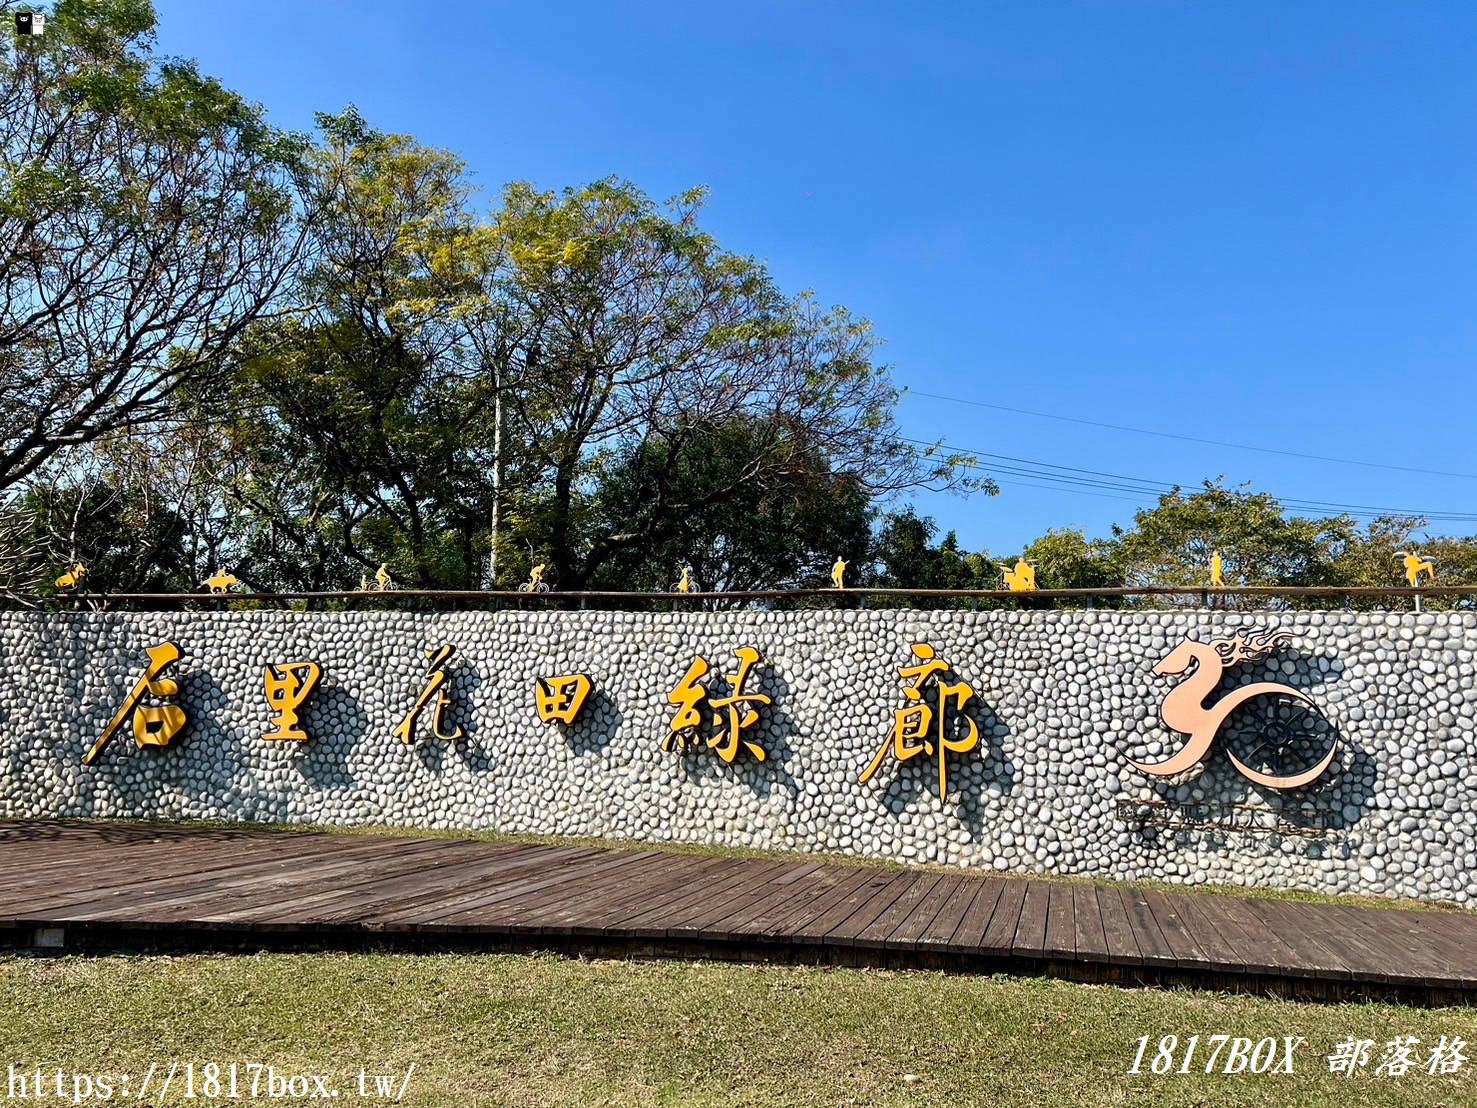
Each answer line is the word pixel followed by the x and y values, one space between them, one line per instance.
pixel 519 596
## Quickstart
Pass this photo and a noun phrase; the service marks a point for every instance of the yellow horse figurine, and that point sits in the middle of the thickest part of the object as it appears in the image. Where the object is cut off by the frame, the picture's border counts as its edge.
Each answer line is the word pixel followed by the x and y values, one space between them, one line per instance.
pixel 1414 565
pixel 838 575
pixel 74 573
pixel 221 582
pixel 1020 579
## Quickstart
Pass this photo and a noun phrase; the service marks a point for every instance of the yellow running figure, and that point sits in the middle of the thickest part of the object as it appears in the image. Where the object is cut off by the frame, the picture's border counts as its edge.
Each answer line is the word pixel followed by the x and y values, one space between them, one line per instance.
pixel 1020 579
pixel 838 575
pixel 1414 565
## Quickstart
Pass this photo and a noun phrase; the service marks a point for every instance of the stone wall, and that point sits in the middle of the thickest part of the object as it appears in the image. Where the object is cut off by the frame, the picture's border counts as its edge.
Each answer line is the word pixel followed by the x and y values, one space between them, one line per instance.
pixel 1062 700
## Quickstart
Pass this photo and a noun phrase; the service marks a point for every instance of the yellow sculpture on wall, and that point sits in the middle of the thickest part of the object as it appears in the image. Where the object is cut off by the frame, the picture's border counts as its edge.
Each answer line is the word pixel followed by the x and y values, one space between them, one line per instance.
pixel 382 576
pixel 910 735
pixel 152 726
pixel 288 685
pixel 684 584
pixel 560 698
pixel 732 714
pixel 838 575
pixel 1020 579
pixel 1216 580
pixel 435 682
pixel 74 574
pixel 220 582
pixel 535 582
pixel 1415 565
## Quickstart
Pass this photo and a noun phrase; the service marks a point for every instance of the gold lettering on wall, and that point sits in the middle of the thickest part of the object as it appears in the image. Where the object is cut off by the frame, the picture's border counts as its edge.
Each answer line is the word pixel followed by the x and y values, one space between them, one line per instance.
pixel 922 728
pixel 288 685
pixel 153 725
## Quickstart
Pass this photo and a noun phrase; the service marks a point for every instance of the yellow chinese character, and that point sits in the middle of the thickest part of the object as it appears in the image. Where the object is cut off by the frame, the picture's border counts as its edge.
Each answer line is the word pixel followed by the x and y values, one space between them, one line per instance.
pixel 152 726
pixel 288 685
pixel 911 724
pixel 727 740
pixel 560 698
pixel 732 714
pixel 687 696
pixel 436 678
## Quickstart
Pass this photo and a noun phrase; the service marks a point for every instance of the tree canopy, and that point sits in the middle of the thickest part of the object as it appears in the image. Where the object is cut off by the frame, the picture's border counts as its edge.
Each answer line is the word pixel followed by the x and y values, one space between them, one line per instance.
pixel 302 357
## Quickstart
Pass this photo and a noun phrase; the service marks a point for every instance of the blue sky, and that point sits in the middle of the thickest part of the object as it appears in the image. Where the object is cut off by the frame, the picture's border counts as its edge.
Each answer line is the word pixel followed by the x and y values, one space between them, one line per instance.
pixel 1247 222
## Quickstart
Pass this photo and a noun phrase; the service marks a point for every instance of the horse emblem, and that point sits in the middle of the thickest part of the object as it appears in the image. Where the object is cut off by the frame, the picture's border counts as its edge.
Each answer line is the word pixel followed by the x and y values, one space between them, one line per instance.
pixel 75 572
pixel 1277 723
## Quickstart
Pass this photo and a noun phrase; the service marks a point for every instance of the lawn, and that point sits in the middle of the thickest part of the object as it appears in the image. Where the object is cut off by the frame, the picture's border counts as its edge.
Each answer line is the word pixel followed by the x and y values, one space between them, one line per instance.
pixel 544 1030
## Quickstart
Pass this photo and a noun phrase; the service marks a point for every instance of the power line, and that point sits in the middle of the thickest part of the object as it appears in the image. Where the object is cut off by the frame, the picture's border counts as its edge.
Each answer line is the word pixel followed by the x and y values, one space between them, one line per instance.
pixel 1192 438
pixel 1145 487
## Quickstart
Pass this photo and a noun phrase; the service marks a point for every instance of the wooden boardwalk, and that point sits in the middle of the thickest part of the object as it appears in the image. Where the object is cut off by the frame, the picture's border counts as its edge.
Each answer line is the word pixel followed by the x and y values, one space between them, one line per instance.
pixel 110 886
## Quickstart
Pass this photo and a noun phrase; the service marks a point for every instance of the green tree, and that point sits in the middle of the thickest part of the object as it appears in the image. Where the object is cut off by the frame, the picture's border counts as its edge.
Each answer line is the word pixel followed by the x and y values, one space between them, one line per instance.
pixel 1067 559
pixel 147 217
pixel 1172 543
pixel 743 505
pixel 364 434
pixel 644 329
pixel 904 556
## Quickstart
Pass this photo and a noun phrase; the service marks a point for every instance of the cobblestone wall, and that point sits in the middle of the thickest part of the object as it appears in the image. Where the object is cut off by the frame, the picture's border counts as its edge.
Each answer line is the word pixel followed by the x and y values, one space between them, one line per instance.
pixel 1062 701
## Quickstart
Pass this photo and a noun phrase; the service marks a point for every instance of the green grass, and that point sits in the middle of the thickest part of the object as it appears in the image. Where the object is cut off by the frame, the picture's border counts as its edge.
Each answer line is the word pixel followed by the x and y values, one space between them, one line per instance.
pixel 519 1030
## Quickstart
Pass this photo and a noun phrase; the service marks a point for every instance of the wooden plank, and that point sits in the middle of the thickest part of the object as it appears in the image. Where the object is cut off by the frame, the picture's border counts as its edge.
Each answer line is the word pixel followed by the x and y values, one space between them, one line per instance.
pixel 1088 938
pixel 1312 958
pixel 1060 938
pixel 497 907
pixel 248 879
pixel 1123 946
pixel 943 926
pixel 877 934
pixel 844 932
pixel 651 922
pixel 780 893
pixel 1216 943
pixel 1259 948
pixel 1175 928
pixel 607 915
pixel 819 899
pixel 275 890
pixel 1154 949
pixel 694 920
pixel 817 930
pixel 163 897
pixel 91 878
pixel 995 933
pixel 452 880
pixel 973 925
pixel 1030 926
pixel 1437 944
pixel 906 933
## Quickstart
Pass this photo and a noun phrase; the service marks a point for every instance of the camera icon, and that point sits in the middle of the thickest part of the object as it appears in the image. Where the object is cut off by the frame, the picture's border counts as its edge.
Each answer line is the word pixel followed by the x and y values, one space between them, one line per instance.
pixel 30 23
